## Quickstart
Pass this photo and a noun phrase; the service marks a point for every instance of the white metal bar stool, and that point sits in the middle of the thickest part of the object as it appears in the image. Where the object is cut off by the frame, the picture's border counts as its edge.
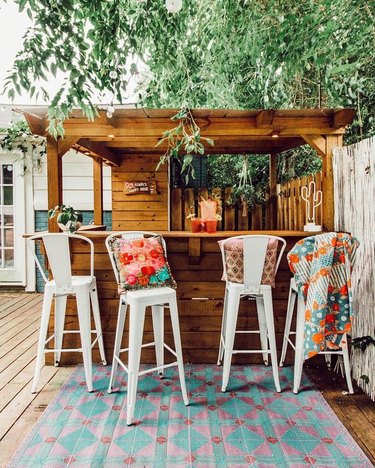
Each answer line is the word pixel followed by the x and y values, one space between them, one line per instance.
pixel 63 284
pixel 254 257
pixel 158 298
pixel 298 346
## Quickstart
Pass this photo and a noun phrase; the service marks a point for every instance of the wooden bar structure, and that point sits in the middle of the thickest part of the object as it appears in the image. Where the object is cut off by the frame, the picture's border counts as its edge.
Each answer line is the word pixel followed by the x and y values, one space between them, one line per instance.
pixel 128 142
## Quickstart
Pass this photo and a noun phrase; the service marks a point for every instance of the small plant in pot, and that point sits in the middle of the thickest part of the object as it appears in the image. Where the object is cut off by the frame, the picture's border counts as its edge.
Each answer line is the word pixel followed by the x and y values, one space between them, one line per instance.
pixel 68 219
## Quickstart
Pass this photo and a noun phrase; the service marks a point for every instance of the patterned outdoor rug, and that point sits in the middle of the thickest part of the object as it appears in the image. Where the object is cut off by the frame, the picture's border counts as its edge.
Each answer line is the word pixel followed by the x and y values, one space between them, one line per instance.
pixel 250 425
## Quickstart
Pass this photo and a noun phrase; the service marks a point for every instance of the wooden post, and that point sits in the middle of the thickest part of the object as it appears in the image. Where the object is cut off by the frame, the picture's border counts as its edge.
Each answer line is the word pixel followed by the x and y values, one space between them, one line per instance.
pixel 216 195
pixel 54 179
pixel 189 203
pixel 332 141
pixel 273 195
pixel 176 210
pixel 229 211
pixel 97 165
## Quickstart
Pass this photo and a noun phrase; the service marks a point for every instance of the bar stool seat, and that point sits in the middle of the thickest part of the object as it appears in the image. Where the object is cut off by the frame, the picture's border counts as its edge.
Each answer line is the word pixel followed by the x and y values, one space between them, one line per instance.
pixel 159 298
pixel 58 289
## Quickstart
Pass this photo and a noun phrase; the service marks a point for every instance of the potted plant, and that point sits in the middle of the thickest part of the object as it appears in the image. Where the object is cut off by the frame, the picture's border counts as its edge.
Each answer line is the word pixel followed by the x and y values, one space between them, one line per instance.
pixel 68 219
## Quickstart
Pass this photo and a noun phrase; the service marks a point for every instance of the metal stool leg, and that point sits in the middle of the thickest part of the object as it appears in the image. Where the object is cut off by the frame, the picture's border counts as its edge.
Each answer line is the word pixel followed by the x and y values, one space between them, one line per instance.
pixel 345 356
pixel 222 332
pixel 83 308
pixel 46 311
pixel 98 325
pixel 262 328
pixel 233 302
pixel 299 351
pixel 60 308
pixel 288 322
pixel 137 318
pixel 158 326
pixel 118 339
pixel 178 348
pixel 268 309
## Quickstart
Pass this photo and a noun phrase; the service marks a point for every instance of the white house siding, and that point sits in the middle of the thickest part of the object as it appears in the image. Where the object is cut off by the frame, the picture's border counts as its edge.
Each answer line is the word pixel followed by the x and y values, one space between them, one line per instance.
pixel 77 183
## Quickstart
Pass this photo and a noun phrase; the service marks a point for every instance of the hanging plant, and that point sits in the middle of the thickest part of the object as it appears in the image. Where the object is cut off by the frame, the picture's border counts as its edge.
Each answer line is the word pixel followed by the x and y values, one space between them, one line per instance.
pixel 184 141
pixel 17 137
pixel 244 190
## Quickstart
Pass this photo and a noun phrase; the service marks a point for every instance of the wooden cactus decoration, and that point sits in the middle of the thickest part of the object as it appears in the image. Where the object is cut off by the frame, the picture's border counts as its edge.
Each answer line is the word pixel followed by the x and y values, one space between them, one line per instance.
pixel 313 199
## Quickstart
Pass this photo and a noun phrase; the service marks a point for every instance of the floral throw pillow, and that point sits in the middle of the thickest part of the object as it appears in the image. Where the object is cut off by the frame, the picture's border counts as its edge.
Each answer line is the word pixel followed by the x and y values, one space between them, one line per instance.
pixel 233 253
pixel 141 264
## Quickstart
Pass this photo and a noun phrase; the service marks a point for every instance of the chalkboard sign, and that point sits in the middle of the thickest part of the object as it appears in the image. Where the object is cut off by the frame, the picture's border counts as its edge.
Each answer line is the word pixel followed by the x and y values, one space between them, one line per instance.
pixel 137 187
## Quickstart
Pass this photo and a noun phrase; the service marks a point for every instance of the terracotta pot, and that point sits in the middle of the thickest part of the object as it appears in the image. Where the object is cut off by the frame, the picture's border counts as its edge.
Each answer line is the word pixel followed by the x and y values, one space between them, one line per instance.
pixel 196 225
pixel 211 225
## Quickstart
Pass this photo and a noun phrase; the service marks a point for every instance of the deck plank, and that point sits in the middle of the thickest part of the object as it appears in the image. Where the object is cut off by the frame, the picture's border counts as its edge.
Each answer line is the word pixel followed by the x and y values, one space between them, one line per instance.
pixel 356 412
pixel 15 408
pixel 29 319
pixel 16 366
pixel 20 410
pixel 20 305
pixel 25 422
pixel 28 343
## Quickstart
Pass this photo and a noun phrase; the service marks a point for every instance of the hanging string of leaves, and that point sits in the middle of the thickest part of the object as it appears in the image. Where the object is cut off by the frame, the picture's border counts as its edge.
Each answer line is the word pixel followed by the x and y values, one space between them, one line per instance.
pixel 244 190
pixel 183 142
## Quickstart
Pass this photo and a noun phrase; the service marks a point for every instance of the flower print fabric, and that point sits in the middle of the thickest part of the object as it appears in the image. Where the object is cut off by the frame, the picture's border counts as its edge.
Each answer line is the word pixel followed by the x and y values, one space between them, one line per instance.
pixel 322 267
pixel 141 263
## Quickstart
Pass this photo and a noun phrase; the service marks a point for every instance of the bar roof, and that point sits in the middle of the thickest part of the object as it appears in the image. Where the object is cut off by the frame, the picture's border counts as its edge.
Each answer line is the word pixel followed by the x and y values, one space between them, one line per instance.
pixel 138 130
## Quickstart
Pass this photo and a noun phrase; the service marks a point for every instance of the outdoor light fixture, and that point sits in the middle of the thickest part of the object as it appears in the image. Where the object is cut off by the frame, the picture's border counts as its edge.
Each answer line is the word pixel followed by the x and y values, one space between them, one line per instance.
pixel 111 136
pixel 275 134
pixel 173 6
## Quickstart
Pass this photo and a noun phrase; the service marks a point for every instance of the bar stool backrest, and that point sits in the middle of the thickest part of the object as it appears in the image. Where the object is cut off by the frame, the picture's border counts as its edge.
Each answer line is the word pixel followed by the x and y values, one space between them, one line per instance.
pixel 254 257
pixel 59 259
pixel 129 235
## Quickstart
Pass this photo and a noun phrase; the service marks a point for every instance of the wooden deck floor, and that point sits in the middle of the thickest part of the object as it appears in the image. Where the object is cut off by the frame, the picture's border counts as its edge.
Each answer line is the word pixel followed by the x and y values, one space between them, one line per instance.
pixel 19 409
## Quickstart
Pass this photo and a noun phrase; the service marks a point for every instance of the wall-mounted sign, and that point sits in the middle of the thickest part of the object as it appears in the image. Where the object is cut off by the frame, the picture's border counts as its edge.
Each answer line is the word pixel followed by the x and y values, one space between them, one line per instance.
pixel 137 186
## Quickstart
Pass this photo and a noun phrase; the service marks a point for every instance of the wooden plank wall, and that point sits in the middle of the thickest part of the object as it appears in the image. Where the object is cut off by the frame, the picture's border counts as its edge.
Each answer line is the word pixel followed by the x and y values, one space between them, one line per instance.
pixel 185 201
pixel 200 292
pixel 291 208
pixel 140 211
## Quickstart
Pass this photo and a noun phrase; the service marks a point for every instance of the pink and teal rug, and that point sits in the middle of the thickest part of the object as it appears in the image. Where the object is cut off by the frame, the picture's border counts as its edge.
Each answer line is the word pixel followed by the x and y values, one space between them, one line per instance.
pixel 251 425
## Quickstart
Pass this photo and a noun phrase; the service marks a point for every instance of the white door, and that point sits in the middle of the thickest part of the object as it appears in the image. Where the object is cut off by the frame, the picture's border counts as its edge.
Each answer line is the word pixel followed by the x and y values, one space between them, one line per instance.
pixel 12 221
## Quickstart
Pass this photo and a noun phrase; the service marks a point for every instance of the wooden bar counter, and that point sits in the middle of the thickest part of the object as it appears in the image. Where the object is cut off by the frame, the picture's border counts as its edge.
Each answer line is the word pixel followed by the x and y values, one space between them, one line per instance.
pixel 196 265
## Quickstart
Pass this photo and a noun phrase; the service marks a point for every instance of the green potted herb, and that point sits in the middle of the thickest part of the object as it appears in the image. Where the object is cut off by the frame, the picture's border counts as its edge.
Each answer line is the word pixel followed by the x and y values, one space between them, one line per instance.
pixel 68 219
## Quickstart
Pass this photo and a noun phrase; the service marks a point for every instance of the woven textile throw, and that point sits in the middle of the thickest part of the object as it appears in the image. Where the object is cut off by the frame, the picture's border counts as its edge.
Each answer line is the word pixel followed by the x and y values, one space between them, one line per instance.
pixel 233 252
pixel 322 267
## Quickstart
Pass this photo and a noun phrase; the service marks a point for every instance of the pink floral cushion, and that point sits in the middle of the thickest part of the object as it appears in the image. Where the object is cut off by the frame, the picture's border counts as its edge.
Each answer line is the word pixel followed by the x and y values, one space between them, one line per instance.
pixel 233 253
pixel 141 263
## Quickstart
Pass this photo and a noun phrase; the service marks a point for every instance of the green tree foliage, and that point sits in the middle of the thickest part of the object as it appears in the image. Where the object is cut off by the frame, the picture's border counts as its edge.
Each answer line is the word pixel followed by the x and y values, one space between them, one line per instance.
pixel 220 54
pixel 242 54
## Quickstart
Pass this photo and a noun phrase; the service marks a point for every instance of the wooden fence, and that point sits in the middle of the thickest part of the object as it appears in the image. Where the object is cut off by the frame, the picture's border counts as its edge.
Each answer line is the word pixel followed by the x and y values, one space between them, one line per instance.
pixel 284 211
pixel 354 176
pixel 291 208
pixel 184 201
